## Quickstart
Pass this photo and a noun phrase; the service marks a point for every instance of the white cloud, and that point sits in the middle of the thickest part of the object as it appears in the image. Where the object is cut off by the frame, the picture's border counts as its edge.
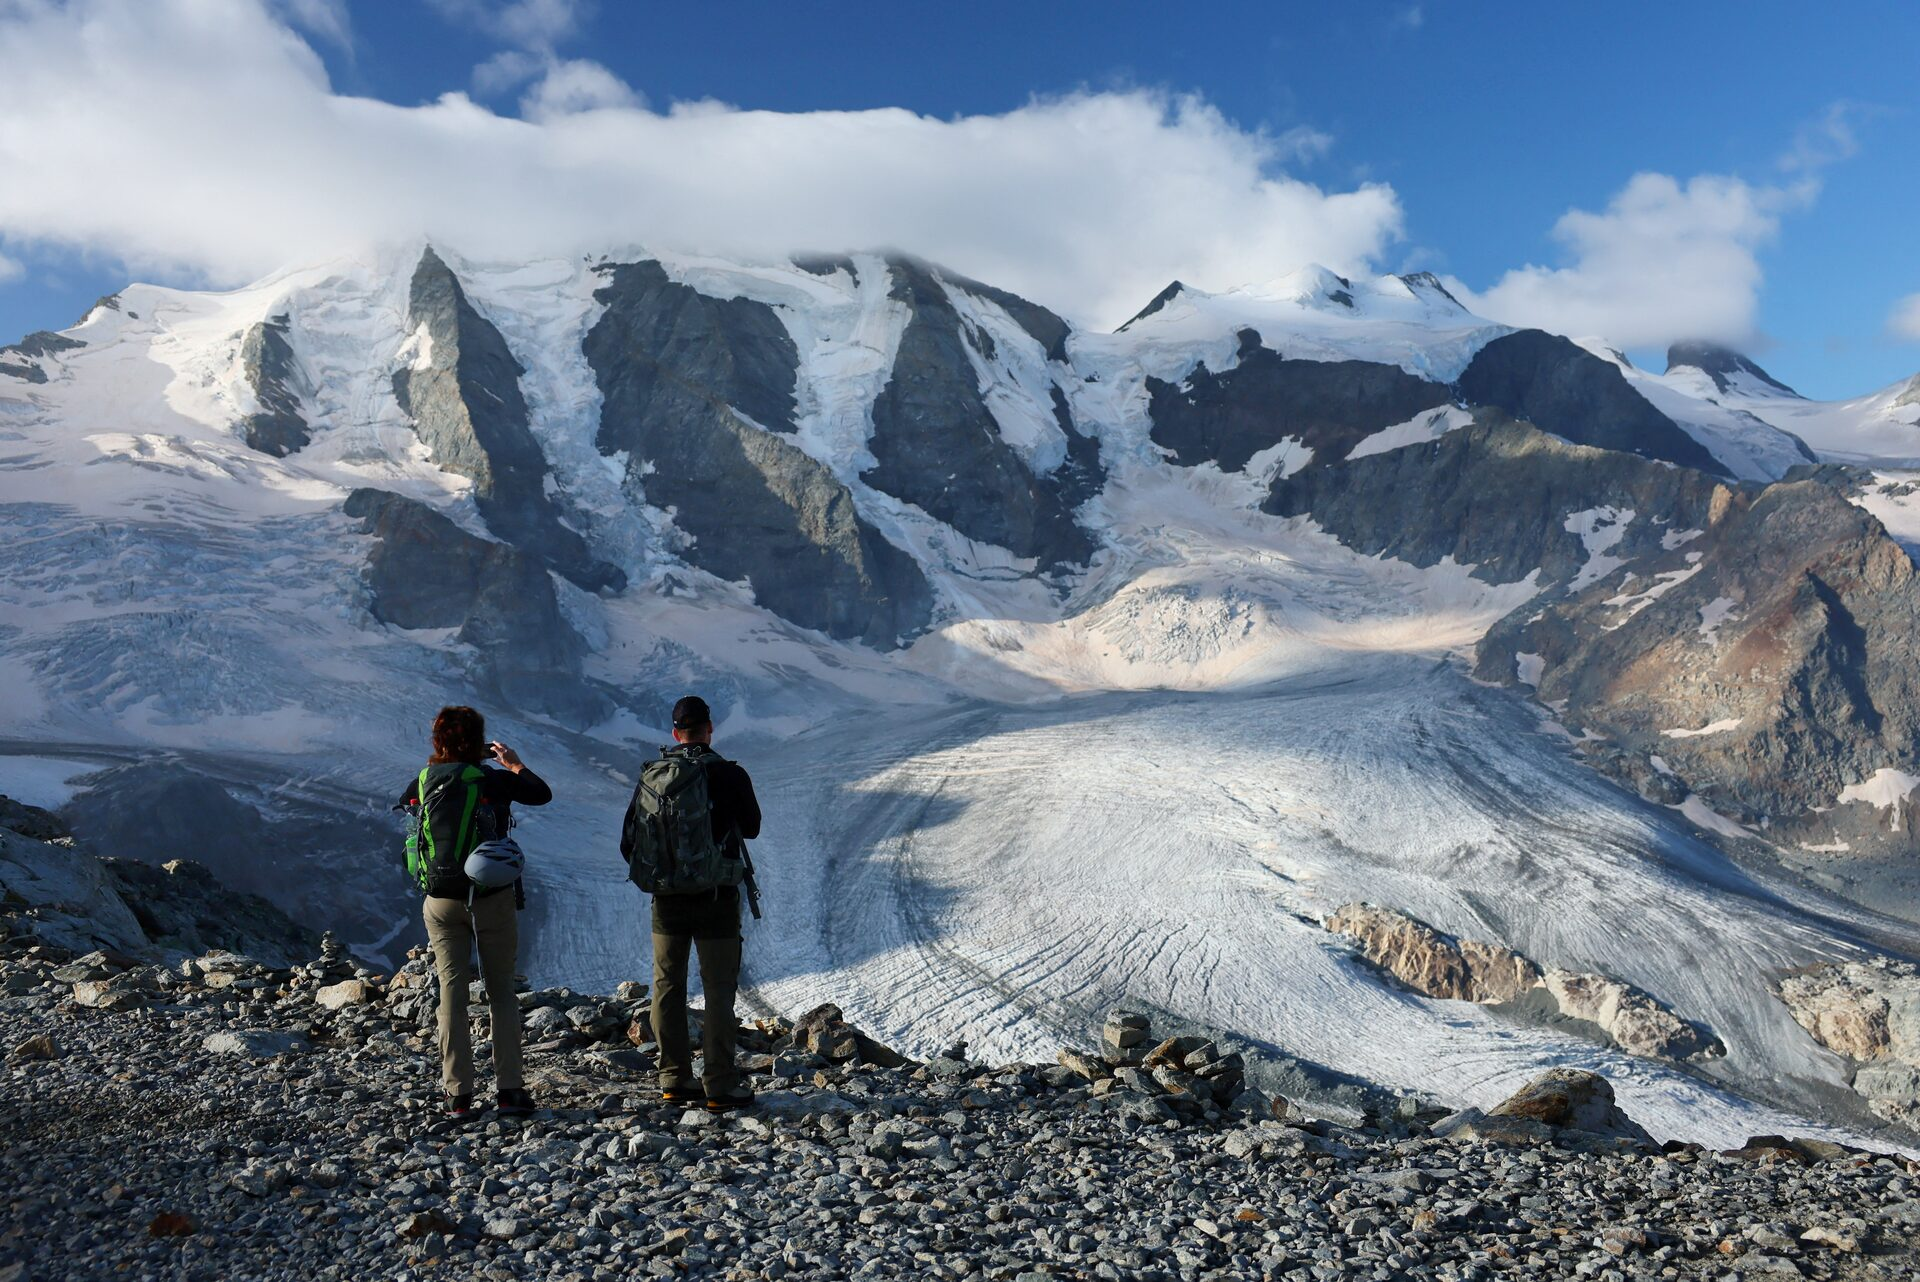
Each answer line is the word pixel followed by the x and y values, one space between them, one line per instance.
pixel 11 269
pixel 1904 320
pixel 1410 18
pixel 1665 261
pixel 123 138
pixel 508 69
pixel 538 25
pixel 568 86
pixel 1825 140
pixel 327 19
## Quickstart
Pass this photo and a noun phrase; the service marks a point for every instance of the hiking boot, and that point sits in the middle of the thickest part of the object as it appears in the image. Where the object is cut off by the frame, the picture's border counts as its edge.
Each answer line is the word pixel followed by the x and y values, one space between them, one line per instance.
pixel 738 1097
pixel 680 1095
pixel 515 1103
pixel 460 1107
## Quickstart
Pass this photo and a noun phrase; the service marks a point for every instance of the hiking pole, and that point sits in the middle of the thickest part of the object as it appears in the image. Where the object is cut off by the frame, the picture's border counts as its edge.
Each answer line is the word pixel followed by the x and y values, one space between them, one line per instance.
pixel 753 887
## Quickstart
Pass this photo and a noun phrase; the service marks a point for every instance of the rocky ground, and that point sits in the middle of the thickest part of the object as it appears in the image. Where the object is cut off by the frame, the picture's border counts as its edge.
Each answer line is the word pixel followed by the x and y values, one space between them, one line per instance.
pixel 220 1118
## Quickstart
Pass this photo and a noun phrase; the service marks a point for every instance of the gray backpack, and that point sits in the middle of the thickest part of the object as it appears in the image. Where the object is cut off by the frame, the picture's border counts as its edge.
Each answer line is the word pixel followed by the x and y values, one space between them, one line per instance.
pixel 667 838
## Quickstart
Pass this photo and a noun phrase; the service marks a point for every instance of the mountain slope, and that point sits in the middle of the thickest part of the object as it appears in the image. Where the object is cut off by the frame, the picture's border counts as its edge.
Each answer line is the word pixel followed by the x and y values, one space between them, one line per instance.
pixel 1021 593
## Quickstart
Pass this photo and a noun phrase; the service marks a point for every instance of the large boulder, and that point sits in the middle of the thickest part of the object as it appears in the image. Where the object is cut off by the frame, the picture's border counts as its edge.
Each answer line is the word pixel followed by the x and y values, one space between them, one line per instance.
pixel 1472 970
pixel 1636 1022
pixel 1563 1104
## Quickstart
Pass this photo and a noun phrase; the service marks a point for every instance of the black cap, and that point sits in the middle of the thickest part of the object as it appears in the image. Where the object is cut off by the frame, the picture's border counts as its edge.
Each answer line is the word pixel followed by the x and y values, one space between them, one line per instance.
pixel 691 713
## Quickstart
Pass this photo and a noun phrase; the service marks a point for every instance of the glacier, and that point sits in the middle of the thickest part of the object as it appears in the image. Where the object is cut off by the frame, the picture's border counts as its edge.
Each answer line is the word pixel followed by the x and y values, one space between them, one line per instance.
pixel 1148 781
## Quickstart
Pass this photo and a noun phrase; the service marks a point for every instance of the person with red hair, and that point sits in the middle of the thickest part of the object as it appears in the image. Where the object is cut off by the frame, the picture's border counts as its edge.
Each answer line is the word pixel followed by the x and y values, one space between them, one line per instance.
pixel 470 787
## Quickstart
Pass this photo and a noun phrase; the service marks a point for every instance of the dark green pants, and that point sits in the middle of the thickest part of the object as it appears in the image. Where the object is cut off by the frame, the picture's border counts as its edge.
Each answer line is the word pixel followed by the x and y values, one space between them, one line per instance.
pixel 719 976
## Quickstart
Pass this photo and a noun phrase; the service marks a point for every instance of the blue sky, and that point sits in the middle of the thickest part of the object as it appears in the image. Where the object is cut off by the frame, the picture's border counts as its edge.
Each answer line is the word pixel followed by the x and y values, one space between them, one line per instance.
pixel 1789 142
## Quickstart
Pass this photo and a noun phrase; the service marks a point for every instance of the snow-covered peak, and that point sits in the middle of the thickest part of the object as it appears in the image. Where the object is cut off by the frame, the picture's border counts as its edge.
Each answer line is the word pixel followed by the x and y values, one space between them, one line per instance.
pixel 1313 313
pixel 1724 370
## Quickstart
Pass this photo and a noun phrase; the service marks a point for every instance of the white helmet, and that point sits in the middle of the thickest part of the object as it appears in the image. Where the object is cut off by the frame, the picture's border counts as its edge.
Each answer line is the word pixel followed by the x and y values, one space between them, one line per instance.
pixel 495 863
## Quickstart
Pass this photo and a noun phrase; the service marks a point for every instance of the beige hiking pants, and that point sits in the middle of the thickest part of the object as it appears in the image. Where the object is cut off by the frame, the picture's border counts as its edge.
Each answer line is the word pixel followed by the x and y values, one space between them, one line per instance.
pixel 453 930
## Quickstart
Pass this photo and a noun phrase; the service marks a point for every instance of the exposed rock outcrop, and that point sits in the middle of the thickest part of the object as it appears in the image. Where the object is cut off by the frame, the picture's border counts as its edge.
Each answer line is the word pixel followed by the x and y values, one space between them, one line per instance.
pixel 1558 1102
pixel 70 898
pixel 1562 388
pixel 424 571
pixel 936 442
pixel 463 391
pixel 677 371
pixel 1636 1023
pixel 273 372
pixel 1868 1012
pixel 1771 663
pixel 1503 497
pixel 1431 963
pixel 311 861
pixel 1470 970
pixel 23 359
pixel 1328 406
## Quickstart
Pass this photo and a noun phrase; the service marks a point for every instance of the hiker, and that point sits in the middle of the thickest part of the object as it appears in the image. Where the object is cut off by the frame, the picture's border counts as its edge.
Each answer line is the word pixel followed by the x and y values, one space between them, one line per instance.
pixel 668 847
pixel 469 870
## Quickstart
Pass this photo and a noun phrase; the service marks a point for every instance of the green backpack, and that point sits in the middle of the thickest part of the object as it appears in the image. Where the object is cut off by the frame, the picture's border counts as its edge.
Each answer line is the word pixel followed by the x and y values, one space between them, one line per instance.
pixel 449 820
pixel 667 838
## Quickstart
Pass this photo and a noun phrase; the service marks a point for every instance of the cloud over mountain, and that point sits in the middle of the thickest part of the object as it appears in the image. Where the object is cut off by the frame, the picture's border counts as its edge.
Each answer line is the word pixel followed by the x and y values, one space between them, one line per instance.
pixel 185 137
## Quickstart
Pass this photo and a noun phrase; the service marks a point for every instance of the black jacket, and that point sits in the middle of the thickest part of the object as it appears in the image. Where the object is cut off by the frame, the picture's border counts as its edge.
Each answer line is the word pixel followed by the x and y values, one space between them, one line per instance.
pixel 713 914
pixel 499 790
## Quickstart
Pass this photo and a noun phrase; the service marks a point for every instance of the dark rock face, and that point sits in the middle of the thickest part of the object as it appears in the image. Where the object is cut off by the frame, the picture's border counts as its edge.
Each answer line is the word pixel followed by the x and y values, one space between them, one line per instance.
pixel 1564 389
pixel 1427 282
pixel 467 406
pixel 827 264
pixel 426 572
pixel 1720 364
pixel 676 370
pixel 183 907
pixel 938 446
pixel 1793 623
pixel 1083 475
pixel 1154 304
pixel 1047 329
pixel 315 864
pixel 274 373
pixel 1497 496
pixel 1330 406
pixel 32 822
pixel 30 350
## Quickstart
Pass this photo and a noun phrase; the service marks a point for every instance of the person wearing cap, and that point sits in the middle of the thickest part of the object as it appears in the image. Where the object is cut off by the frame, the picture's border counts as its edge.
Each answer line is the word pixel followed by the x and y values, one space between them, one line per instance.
pixel 707 923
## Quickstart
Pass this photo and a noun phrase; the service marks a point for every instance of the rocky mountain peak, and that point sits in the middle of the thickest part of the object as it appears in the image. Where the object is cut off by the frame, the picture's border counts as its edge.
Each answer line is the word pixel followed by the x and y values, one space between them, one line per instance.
pixel 1729 370
pixel 1154 304
pixel 1427 284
